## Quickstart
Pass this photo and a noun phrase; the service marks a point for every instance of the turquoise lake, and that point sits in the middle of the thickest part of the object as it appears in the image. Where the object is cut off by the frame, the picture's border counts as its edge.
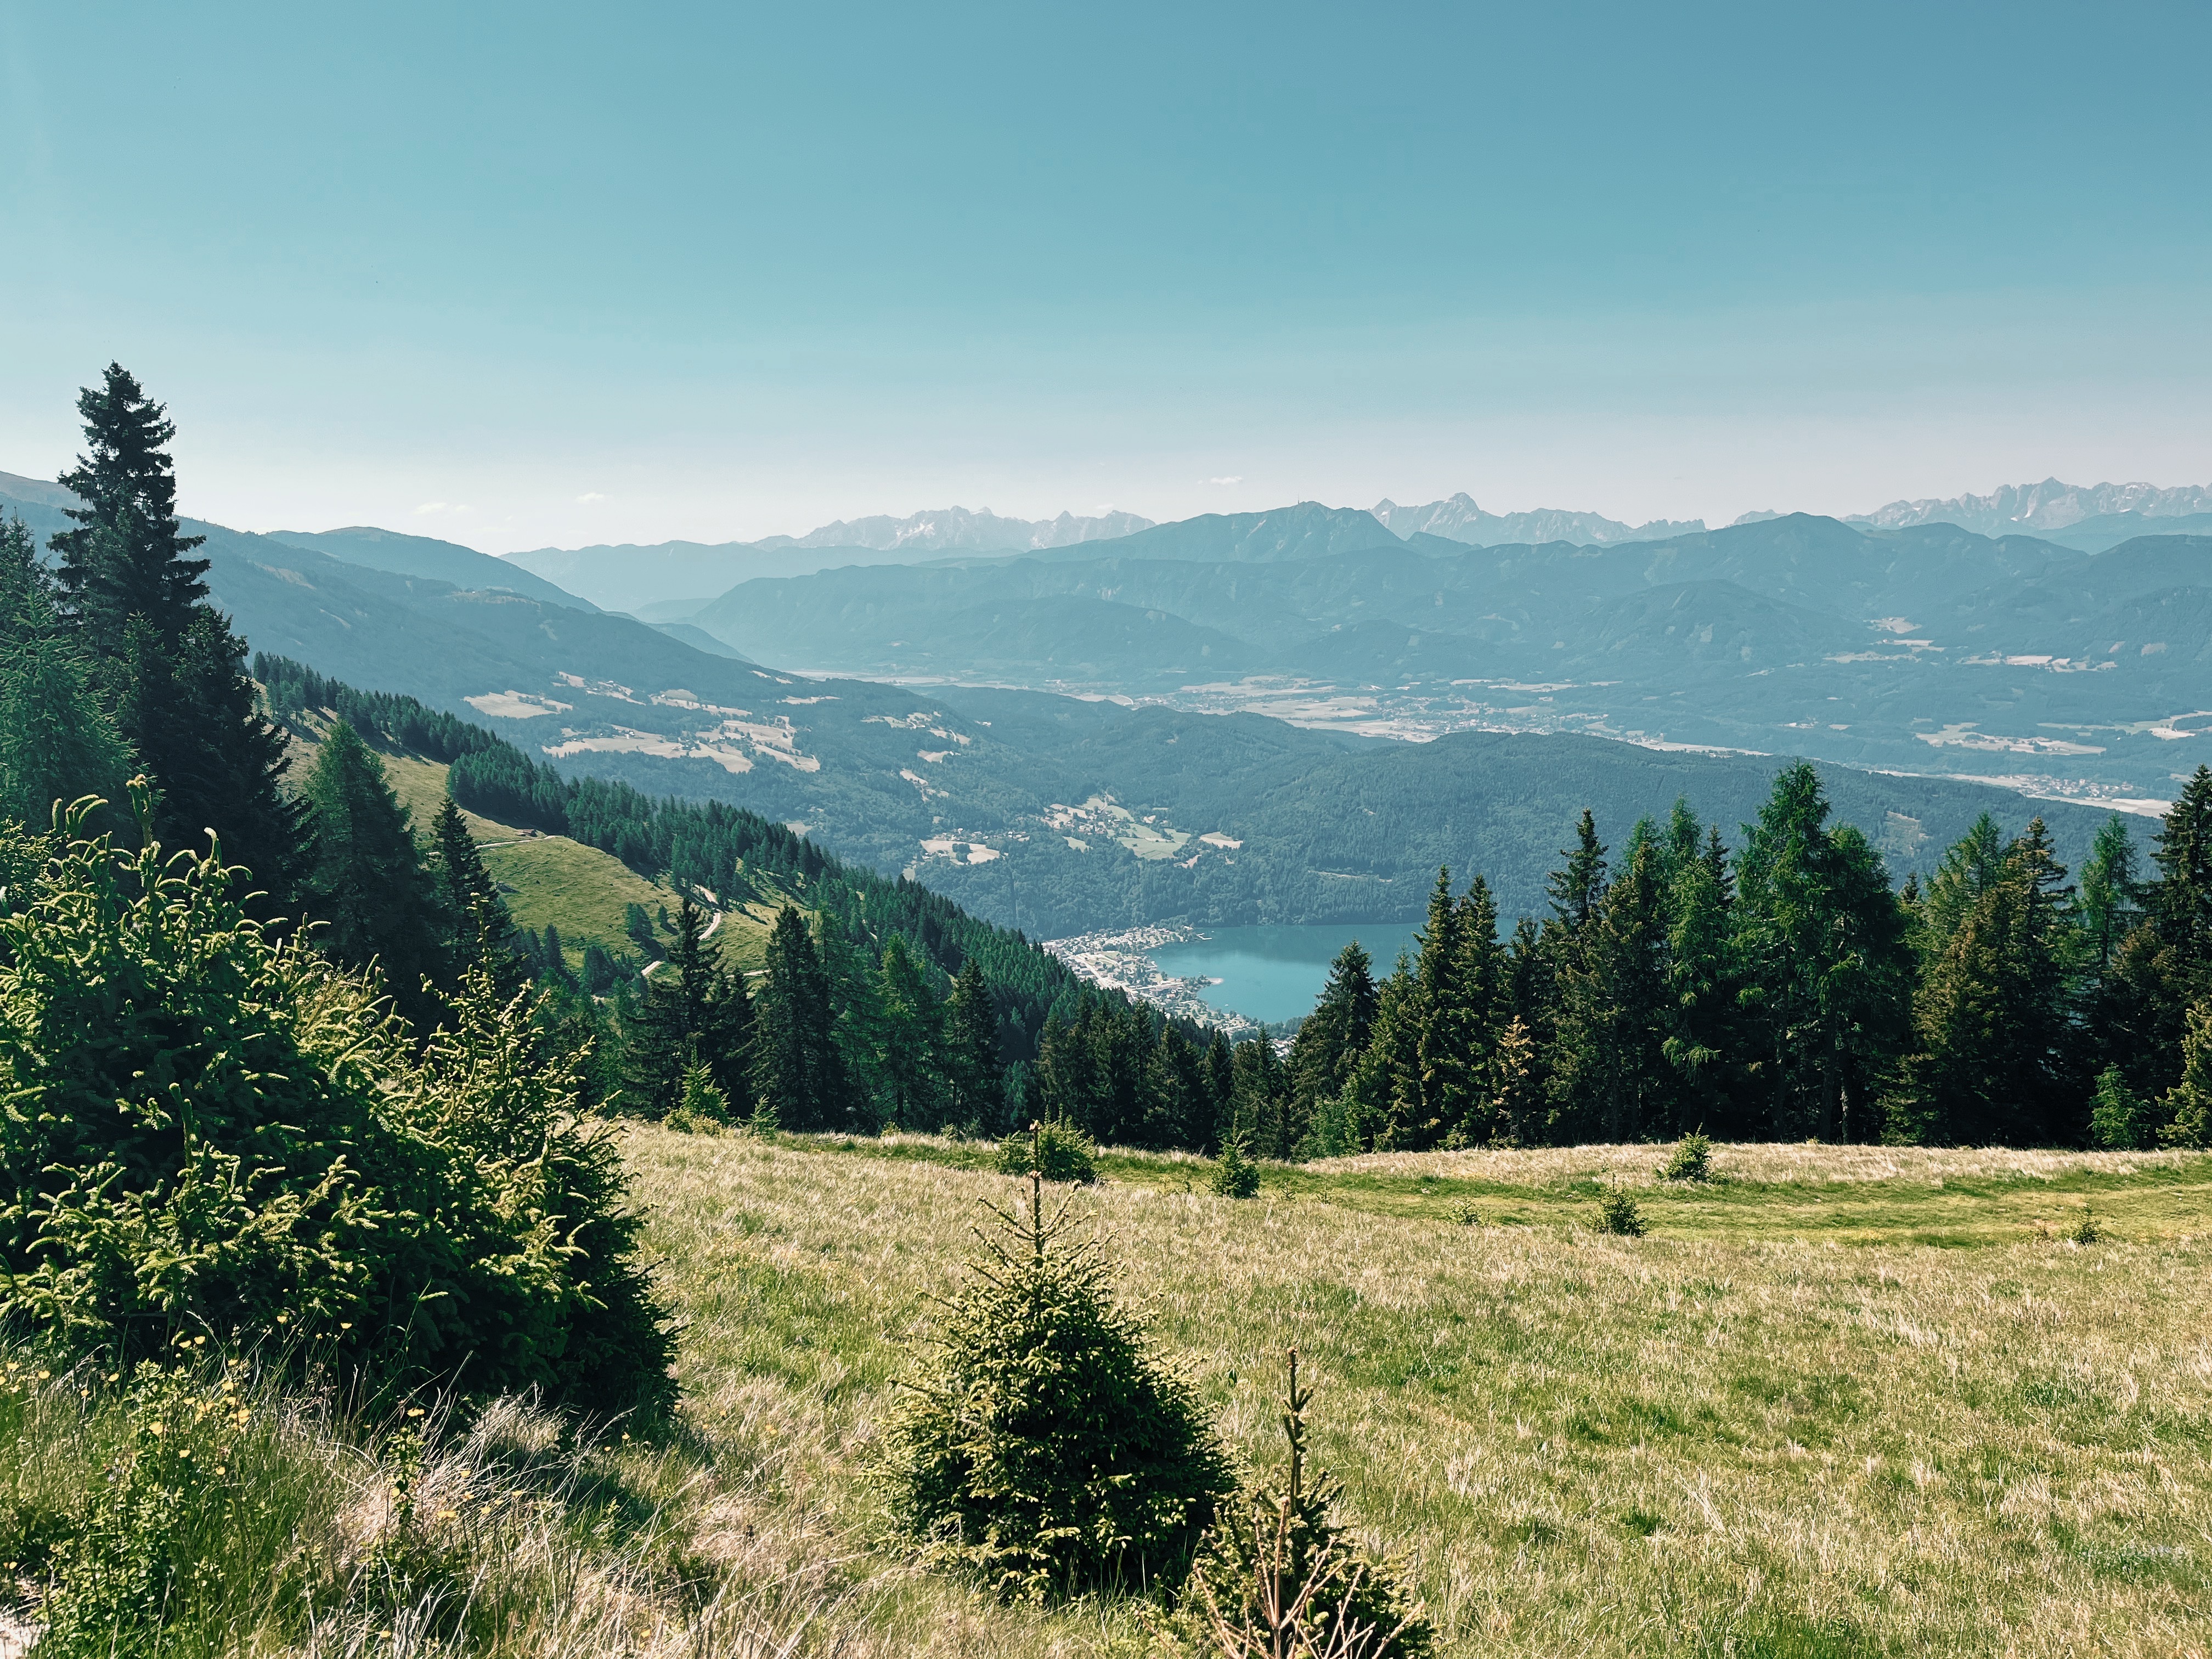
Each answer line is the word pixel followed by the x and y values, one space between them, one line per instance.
pixel 1275 972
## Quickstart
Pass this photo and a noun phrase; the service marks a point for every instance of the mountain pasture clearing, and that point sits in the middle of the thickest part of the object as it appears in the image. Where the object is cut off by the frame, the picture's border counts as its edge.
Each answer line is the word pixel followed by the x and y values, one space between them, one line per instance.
pixel 1786 1422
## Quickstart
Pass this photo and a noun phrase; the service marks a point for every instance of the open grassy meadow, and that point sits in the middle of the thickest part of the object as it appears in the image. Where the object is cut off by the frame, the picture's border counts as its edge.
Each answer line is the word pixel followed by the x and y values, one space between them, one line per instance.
pixel 1838 1401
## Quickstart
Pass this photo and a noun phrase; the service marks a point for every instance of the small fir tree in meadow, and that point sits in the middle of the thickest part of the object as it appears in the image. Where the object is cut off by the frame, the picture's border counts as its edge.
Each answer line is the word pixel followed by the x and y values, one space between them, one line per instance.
pixel 702 1107
pixel 1617 1214
pixel 1051 1450
pixel 1280 1576
pixel 1234 1175
pixel 1058 1151
pixel 1690 1160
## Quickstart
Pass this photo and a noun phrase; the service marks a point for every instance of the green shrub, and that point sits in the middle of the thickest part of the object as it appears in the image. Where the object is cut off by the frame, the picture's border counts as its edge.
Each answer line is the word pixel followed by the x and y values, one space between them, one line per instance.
pixel 1051 1451
pixel 215 1132
pixel 1690 1160
pixel 1280 1574
pixel 1058 1151
pixel 2085 1230
pixel 1234 1173
pixel 1466 1214
pixel 1617 1213
pixel 702 1107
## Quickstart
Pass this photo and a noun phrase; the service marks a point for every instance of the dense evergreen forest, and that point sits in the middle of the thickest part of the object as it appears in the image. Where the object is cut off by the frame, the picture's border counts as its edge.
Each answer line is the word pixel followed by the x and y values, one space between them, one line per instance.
pixel 1783 992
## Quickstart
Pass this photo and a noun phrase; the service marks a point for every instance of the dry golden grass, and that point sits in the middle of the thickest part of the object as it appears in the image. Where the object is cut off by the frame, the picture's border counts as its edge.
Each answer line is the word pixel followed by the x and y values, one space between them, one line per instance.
pixel 1715 1440
pixel 1808 1162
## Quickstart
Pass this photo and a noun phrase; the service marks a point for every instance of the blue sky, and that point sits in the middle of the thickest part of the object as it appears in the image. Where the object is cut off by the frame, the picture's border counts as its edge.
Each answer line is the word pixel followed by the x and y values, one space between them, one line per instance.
pixel 520 275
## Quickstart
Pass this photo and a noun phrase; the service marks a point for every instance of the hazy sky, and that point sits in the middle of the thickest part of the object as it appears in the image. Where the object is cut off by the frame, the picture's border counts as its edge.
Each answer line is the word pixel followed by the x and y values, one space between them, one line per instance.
pixel 520 275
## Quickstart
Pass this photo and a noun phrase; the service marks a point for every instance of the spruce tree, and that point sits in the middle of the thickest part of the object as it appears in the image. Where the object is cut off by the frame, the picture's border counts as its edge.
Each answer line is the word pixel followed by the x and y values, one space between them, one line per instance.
pixel 366 886
pixel 1822 943
pixel 2163 963
pixel 692 1010
pixel 975 1074
pixel 1183 1109
pixel 909 1037
pixel 1577 885
pixel 56 742
pixel 1220 1088
pixel 1258 1103
pixel 2182 900
pixel 1516 1084
pixel 798 1067
pixel 1382 1094
pixel 475 929
pixel 2188 1108
pixel 1050 1450
pixel 1331 1038
pixel 1609 1076
pixel 1999 1058
pixel 125 558
pixel 2107 904
pixel 1703 1033
pixel 1482 989
pixel 170 669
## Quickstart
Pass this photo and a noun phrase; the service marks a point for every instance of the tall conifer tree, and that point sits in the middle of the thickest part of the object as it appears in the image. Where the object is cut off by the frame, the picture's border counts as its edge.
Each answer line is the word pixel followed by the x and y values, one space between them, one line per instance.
pixel 1330 1039
pixel 909 1037
pixel 366 884
pixel 693 1011
pixel 974 1067
pixel 171 670
pixel 799 1068
pixel 126 556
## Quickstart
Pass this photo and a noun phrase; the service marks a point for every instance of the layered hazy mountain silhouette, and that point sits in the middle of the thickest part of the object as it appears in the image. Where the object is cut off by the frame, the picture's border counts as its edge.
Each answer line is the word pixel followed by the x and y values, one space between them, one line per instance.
pixel 955 530
pixel 1460 519
pixel 2046 507
pixel 1782 637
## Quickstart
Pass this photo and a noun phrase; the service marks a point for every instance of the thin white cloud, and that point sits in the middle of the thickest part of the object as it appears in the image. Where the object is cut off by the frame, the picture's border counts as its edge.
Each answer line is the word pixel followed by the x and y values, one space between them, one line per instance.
pixel 588 497
pixel 1234 477
pixel 431 506
pixel 443 506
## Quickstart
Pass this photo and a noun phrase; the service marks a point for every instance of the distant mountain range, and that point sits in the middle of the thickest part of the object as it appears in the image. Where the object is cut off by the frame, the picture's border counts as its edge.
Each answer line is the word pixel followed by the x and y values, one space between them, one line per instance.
pixel 1061 814
pixel 1460 519
pixel 665 581
pixel 1921 648
pixel 2044 507
pixel 955 530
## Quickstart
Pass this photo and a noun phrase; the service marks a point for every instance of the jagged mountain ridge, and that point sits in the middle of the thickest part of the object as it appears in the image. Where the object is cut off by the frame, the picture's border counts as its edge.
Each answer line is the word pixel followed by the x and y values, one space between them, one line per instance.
pixel 956 529
pixel 2051 505
pixel 1460 519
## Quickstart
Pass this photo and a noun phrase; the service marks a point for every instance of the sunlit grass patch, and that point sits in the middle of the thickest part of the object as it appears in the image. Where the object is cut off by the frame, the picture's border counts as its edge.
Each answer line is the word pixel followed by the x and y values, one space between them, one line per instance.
pixel 1775 1425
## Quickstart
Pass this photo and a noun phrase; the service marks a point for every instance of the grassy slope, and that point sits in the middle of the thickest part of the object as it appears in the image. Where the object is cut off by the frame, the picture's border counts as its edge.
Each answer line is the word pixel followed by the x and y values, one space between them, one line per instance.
pixel 551 878
pixel 1783 1424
